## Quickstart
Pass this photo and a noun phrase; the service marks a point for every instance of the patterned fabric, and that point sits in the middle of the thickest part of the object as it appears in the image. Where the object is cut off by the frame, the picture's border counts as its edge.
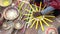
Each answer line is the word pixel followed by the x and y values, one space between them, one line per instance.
pixel 55 4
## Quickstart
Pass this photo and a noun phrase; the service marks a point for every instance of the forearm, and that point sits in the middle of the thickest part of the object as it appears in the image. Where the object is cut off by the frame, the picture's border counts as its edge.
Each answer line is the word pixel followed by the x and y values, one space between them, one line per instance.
pixel 47 10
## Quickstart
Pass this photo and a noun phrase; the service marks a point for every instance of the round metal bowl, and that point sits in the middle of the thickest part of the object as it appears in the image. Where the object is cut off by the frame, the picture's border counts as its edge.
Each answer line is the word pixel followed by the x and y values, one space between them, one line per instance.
pixel 11 13
pixel 7 25
pixel 18 24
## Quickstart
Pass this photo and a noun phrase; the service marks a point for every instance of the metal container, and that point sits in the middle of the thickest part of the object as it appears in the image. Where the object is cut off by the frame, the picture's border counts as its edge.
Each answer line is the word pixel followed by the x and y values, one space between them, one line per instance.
pixel 18 24
pixel 5 3
pixel 8 25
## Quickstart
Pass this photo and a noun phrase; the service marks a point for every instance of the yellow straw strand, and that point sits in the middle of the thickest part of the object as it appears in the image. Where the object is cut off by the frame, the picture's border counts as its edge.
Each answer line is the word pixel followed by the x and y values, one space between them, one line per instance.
pixel 27 10
pixel 48 19
pixel 27 14
pixel 43 7
pixel 20 14
pixel 36 7
pixel 40 6
pixel 45 22
pixel 31 7
pixel 41 26
pixel 49 16
pixel 33 24
pixel 37 25
pixel 20 6
pixel 25 18
pixel 31 20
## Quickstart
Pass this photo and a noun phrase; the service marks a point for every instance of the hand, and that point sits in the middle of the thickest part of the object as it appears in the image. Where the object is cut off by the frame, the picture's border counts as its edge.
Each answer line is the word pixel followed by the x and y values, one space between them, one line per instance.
pixel 36 14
